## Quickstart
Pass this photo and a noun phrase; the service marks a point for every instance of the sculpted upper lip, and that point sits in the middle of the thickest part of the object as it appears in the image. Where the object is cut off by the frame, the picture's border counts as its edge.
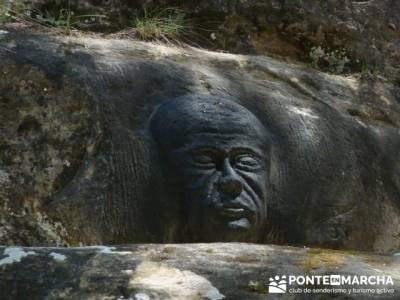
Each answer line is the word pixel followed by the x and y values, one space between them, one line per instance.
pixel 233 210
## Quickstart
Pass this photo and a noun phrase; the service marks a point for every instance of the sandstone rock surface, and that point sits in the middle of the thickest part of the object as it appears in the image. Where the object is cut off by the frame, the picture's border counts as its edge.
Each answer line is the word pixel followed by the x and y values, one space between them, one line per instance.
pixel 78 166
pixel 171 271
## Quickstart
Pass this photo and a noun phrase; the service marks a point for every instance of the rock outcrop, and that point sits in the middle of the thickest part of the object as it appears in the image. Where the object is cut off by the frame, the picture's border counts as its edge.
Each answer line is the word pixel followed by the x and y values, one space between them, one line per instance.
pixel 78 164
pixel 291 138
pixel 367 32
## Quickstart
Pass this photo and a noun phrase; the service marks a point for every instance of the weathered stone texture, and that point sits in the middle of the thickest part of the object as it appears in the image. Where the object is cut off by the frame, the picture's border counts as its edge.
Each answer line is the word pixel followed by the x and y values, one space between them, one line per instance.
pixel 182 272
pixel 79 165
pixel 368 31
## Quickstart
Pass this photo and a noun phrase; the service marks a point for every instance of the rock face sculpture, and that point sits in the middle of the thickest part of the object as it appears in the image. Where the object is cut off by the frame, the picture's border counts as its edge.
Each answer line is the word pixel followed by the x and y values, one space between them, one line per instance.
pixel 113 142
pixel 216 153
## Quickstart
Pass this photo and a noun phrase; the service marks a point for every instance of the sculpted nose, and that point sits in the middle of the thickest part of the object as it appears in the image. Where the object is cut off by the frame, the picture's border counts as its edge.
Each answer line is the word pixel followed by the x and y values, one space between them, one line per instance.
pixel 229 182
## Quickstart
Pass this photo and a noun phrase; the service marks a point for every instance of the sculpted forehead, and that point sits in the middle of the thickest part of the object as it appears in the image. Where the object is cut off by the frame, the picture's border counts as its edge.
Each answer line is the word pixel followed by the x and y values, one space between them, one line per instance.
pixel 205 118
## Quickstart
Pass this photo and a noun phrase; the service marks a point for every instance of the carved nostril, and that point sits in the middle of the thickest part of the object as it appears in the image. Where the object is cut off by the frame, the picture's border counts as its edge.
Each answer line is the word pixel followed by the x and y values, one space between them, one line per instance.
pixel 231 187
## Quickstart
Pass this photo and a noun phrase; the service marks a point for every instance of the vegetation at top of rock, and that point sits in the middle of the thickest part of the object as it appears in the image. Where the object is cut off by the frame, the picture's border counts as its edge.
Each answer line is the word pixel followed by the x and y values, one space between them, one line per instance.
pixel 368 31
pixel 8 9
pixel 332 60
pixel 161 24
pixel 167 24
pixel 66 19
pixel 63 18
pixel 4 16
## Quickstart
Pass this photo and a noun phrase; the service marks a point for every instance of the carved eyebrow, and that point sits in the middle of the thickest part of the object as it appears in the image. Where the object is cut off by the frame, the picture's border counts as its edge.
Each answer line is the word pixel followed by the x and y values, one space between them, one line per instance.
pixel 206 149
pixel 245 150
pixel 234 151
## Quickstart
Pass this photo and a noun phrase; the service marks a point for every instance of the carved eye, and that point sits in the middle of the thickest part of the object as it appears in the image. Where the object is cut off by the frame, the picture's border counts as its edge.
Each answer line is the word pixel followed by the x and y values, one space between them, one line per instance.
pixel 247 162
pixel 203 160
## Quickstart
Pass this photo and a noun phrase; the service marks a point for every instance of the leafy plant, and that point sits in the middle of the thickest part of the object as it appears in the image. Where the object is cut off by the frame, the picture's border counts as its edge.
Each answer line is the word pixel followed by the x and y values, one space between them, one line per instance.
pixel 335 61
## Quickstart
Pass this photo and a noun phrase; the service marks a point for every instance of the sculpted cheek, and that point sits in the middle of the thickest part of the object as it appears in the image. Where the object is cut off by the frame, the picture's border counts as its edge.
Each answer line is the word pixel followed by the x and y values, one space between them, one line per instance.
pixel 255 181
pixel 201 189
pixel 197 180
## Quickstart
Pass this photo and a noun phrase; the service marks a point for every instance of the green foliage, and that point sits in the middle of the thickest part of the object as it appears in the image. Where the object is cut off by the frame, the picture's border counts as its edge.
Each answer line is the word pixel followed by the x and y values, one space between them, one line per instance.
pixel 8 8
pixel 334 61
pixel 4 14
pixel 161 24
pixel 63 18
pixel 157 24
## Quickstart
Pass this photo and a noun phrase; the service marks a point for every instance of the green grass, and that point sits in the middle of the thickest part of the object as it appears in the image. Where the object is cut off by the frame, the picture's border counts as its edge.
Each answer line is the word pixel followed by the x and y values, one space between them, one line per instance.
pixel 64 18
pixel 167 24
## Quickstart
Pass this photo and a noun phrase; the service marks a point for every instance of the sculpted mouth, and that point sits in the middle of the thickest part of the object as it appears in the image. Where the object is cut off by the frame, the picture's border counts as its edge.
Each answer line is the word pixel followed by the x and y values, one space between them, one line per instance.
pixel 234 211
pixel 237 217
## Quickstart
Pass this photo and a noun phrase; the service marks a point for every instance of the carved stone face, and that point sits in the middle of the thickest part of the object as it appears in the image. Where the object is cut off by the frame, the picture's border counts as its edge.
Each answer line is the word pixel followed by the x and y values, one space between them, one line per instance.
pixel 216 152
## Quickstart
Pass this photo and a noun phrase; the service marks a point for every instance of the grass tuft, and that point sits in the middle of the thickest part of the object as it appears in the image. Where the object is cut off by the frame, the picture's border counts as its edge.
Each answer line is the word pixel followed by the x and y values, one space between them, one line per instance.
pixel 168 24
